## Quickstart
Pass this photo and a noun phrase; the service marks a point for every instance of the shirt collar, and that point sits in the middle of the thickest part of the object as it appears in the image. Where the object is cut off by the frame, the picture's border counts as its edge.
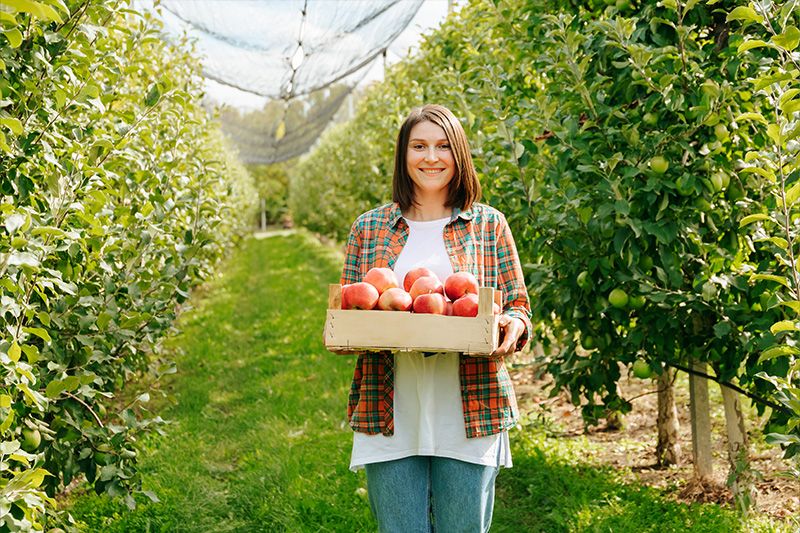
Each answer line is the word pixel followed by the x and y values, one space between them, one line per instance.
pixel 466 214
pixel 395 214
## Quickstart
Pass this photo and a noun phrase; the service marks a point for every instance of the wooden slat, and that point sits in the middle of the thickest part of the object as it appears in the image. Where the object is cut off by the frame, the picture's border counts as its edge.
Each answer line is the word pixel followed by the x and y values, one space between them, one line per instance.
pixel 334 296
pixel 389 330
pixel 485 300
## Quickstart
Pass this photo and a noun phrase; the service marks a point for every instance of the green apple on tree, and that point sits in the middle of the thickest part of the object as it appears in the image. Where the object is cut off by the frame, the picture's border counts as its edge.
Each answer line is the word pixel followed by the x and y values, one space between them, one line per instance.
pixel 31 439
pixel 658 164
pixel 618 298
pixel 721 131
pixel 637 301
pixel 641 369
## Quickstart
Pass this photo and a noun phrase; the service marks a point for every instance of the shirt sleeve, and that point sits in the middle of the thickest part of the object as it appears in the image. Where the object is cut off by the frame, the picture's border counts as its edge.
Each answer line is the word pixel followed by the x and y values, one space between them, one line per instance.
pixel 352 252
pixel 511 280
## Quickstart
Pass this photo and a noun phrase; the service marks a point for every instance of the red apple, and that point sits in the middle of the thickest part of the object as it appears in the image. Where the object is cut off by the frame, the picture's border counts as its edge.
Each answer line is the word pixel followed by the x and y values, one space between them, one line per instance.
pixel 395 299
pixel 381 278
pixel 467 305
pixel 448 308
pixel 459 284
pixel 426 285
pixel 360 295
pixel 431 303
pixel 414 274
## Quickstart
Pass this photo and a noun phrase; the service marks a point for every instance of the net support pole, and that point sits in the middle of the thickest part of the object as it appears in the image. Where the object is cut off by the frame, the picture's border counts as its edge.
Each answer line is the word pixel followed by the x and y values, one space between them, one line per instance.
pixel 263 214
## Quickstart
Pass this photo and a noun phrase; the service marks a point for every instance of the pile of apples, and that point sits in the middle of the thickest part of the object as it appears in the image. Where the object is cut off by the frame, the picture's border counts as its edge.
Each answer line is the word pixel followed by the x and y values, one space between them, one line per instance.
pixel 422 292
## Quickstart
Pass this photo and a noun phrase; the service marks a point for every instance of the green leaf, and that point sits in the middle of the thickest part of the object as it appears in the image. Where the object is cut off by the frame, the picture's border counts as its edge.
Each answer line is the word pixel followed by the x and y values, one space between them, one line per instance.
pixel 780 242
pixel 31 352
pixel 779 438
pixel 48 230
pixel 791 106
pixel 14 352
pixel 5 401
pixel 774 133
pixel 37 399
pixel 19 458
pixel 763 172
pixel 54 389
pixel 15 221
pixel 8 17
pixel 3 145
pixel 689 5
pixel 14 37
pixel 36 9
pixel 749 45
pixel 783 325
pixel 778 351
pixel 102 320
pixel 770 277
pixel 61 98
pixel 793 194
pixel 71 383
pixel 153 95
pixel 788 39
pixel 751 116
pixel 13 124
pixel 721 329
pixel 745 13
pixel 7 422
pixel 749 219
pixel 39 332
pixel 793 304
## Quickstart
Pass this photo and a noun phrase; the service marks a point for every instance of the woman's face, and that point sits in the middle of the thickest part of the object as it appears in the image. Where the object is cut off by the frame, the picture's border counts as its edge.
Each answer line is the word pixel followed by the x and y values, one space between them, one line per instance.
pixel 429 158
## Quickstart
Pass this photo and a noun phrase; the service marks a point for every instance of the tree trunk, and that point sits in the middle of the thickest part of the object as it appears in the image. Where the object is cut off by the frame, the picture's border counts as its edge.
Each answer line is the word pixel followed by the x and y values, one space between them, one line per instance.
pixel 740 477
pixel 668 450
pixel 701 423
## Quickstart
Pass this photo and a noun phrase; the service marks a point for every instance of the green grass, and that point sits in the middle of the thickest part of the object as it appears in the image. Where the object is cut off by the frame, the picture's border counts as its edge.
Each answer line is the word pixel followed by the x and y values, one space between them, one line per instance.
pixel 259 440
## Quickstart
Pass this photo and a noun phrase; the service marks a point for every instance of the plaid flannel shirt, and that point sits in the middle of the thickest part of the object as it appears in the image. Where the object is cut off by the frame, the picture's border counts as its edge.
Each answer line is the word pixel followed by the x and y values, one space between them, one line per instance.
pixel 478 240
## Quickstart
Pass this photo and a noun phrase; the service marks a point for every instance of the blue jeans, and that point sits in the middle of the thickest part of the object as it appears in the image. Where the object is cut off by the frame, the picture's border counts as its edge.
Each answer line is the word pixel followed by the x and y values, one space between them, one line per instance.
pixel 421 494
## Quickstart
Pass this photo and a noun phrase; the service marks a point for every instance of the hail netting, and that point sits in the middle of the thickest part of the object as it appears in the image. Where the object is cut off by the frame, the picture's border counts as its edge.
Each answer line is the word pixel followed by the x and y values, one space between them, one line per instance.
pixel 282 50
pixel 282 129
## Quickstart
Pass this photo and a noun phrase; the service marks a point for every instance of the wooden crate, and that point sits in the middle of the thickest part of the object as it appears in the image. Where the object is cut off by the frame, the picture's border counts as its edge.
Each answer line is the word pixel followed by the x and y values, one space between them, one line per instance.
pixel 404 331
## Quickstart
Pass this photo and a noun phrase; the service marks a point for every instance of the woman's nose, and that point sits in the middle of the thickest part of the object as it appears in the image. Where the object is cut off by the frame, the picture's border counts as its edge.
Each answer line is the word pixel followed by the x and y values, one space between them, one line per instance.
pixel 430 154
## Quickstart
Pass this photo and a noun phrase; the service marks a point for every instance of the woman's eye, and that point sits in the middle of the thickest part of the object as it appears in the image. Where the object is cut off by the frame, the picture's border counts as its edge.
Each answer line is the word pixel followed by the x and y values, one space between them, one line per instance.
pixel 444 147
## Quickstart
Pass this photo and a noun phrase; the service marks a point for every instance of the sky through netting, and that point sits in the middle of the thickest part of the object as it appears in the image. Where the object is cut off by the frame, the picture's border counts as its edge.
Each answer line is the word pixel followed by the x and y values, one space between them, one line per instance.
pixel 303 56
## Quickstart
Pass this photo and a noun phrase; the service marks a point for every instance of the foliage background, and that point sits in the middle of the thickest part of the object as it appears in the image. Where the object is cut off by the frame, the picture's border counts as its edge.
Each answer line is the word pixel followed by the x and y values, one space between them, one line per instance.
pixel 118 197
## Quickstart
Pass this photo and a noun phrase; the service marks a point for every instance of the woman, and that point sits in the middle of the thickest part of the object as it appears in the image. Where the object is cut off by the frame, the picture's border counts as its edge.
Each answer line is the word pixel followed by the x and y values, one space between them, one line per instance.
pixel 432 430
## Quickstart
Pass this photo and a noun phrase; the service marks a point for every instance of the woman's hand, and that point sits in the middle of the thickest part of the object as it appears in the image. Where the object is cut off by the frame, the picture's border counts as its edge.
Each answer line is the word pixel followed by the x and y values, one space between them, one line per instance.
pixel 511 329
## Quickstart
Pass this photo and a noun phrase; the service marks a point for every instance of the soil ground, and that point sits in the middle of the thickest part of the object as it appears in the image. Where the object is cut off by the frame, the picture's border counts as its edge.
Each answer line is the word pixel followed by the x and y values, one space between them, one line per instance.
pixel 632 449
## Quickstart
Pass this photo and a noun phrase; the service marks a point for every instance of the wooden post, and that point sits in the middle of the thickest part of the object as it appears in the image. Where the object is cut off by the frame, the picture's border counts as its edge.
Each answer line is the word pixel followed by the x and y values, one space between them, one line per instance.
pixel 668 450
pixel 743 488
pixel 701 423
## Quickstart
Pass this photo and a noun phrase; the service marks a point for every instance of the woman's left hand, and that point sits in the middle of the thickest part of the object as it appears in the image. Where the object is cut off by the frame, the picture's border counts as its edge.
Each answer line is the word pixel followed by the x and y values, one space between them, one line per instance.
pixel 511 329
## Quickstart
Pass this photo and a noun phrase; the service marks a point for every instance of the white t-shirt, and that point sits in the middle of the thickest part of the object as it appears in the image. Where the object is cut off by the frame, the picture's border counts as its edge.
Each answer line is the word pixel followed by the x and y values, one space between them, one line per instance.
pixel 428 414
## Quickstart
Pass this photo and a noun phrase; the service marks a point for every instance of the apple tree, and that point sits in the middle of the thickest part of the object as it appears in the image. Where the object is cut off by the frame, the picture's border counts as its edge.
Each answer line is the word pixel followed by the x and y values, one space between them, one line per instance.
pixel 637 255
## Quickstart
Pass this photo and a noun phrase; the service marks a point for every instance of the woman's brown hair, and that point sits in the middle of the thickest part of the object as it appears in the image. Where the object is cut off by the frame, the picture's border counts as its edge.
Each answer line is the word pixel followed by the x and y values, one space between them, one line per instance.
pixel 464 189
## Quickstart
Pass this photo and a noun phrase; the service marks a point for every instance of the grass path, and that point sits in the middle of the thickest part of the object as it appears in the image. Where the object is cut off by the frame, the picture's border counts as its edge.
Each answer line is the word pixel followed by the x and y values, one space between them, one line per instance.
pixel 259 440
